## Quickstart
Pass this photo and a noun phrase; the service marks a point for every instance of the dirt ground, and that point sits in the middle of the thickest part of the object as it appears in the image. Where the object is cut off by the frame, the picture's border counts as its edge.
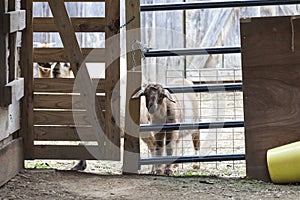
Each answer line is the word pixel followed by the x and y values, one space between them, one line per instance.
pixel 58 184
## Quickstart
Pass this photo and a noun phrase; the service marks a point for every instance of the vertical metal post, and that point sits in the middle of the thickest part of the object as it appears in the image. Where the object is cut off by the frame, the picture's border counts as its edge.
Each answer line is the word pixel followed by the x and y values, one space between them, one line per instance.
pixel 184 39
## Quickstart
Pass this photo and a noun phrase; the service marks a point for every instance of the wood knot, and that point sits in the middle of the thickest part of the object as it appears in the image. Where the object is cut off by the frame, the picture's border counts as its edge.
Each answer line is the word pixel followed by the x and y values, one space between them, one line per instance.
pixel 115 26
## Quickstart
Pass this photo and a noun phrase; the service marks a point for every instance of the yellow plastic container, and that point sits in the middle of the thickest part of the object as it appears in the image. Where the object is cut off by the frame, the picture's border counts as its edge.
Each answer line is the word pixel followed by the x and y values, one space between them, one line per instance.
pixel 284 163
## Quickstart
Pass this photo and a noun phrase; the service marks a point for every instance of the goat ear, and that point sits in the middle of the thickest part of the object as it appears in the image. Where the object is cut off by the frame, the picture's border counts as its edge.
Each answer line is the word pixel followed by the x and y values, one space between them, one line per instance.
pixel 168 95
pixel 138 94
pixel 45 65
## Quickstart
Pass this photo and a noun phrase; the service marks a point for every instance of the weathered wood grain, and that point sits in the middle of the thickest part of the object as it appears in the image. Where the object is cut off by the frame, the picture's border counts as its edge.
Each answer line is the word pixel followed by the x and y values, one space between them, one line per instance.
pixel 59 55
pixel 14 21
pixel 63 133
pixel 5 99
pixel 65 152
pixel 17 88
pixel 42 117
pixel 60 101
pixel 134 80
pixel 13 61
pixel 91 24
pixel 280 55
pixel 11 159
pixel 27 71
pixel 63 85
pixel 271 88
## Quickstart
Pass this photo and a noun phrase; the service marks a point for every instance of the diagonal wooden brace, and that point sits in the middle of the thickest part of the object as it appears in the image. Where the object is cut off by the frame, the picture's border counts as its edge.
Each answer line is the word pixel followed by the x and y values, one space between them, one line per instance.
pixel 74 54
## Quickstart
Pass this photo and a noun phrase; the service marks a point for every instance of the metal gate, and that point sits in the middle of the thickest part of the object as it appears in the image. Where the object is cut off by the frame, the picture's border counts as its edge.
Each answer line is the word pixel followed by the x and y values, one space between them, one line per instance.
pixel 200 88
pixel 67 122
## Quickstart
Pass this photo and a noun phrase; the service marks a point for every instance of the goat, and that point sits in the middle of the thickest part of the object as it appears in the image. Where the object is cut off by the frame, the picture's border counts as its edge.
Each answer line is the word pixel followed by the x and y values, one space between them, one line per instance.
pixel 147 137
pixel 44 70
pixel 163 107
pixel 54 70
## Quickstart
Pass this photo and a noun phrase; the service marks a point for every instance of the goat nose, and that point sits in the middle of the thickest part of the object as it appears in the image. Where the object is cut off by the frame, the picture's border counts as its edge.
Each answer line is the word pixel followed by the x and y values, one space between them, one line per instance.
pixel 152 108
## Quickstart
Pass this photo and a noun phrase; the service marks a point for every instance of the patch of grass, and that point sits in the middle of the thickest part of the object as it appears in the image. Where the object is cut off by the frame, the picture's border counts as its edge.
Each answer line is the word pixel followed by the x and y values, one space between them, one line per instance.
pixel 37 164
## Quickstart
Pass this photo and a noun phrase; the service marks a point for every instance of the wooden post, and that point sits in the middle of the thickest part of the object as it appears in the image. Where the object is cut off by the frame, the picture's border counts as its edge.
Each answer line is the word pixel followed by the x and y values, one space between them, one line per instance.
pixel 132 112
pixel 12 46
pixel 112 76
pixel 271 74
pixel 27 73
pixel 4 94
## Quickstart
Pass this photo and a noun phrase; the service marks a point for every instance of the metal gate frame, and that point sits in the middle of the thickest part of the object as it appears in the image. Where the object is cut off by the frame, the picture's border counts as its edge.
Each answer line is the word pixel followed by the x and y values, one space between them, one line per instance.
pixel 132 143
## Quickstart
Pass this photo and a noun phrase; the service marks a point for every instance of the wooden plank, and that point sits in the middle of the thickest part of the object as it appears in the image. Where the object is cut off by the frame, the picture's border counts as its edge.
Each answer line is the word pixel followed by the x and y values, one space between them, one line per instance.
pixel 63 133
pixel 17 88
pixel 14 91
pixel 91 24
pixel 283 52
pixel 132 124
pixel 134 81
pixel 42 117
pixel 271 88
pixel 3 124
pixel 48 101
pixel 59 55
pixel 13 62
pixel 13 122
pixel 133 29
pixel 27 71
pixel 7 96
pixel 5 99
pixel 13 58
pixel 76 58
pixel 15 21
pixel 63 85
pixel 67 152
pixel 11 159
pixel 10 119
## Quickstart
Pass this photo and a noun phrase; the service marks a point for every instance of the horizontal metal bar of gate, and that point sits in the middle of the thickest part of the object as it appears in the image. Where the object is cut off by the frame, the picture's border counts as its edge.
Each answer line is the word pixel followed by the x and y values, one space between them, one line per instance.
pixel 191 51
pixel 205 88
pixel 214 4
pixel 190 126
pixel 185 159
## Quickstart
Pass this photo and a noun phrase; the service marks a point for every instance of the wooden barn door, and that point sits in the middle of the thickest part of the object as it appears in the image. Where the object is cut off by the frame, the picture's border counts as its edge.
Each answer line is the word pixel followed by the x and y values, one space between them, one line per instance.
pixel 53 132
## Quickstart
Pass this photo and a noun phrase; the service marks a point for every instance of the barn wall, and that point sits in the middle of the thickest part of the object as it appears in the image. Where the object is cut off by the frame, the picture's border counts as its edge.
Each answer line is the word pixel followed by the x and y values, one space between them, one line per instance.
pixel 11 89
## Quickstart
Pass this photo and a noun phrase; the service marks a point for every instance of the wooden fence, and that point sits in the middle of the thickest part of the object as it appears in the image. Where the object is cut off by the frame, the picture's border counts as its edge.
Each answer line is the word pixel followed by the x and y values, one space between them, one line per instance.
pixel 11 89
pixel 58 113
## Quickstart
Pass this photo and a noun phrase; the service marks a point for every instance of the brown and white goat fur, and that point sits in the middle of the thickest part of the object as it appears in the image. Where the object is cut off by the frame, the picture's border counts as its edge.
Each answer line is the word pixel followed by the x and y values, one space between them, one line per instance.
pixel 54 70
pixel 163 107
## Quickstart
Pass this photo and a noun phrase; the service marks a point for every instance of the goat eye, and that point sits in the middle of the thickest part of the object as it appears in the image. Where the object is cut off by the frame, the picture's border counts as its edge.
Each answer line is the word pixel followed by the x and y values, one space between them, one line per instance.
pixel 162 96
